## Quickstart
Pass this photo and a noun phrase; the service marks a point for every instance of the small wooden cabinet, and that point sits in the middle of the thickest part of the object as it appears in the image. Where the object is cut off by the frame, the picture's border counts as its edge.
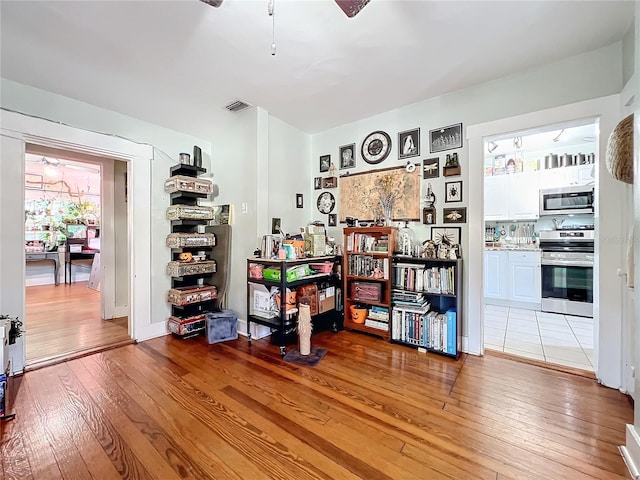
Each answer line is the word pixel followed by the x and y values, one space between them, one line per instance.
pixel 367 278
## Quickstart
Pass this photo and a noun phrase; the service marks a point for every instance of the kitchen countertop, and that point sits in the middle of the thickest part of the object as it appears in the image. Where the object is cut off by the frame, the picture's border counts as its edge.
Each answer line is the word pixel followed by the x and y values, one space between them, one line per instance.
pixel 510 247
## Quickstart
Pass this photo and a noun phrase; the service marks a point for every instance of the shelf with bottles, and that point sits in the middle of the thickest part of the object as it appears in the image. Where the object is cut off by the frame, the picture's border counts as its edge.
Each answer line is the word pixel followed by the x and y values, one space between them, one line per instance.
pixel 426 304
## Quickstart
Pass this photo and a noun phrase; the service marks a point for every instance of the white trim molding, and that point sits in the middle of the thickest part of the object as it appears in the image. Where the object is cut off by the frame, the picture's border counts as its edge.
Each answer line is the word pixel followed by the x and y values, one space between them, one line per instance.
pixel 631 452
pixel 139 157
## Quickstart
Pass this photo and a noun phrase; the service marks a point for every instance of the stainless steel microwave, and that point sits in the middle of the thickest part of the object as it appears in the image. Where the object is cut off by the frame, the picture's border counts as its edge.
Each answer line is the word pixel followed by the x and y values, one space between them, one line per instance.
pixel 577 199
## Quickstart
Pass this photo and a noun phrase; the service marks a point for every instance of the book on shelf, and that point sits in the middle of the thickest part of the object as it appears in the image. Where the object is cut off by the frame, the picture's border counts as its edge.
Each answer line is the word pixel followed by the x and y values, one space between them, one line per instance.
pixel 368 266
pixel 432 330
pixel 361 242
pixel 436 280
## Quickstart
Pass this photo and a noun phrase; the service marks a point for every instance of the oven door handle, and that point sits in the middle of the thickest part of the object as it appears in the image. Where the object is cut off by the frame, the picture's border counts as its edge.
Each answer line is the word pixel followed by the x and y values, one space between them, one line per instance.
pixel 567 263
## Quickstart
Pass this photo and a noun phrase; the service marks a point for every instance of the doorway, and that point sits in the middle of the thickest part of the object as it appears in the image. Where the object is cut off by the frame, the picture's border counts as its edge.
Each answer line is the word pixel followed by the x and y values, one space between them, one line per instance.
pixel 538 263
pixel 75 235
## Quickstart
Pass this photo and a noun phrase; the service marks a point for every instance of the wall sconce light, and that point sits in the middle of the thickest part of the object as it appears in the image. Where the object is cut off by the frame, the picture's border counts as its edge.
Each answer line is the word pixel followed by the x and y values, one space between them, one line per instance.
pixel 491 146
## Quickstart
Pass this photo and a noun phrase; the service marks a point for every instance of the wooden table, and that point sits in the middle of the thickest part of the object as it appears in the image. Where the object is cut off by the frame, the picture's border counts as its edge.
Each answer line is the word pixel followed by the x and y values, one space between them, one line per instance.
pixel 45 256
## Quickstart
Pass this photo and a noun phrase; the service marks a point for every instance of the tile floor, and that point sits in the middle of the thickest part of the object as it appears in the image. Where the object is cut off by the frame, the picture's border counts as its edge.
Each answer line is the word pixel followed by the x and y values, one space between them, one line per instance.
pixel 550 337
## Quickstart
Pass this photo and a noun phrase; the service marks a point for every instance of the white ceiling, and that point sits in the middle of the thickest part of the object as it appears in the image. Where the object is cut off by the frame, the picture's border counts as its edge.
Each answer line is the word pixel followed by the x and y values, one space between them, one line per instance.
pixel 177 63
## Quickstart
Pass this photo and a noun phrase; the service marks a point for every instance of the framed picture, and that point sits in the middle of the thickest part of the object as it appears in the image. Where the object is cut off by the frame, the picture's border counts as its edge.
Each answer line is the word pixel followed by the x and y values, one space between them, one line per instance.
pixel 333 219
pixel 299 200
pixel 348 156
pixel 429 216
pixel 454 215
pixel 445 138
pixel 330 182
pixel 325 163
pixel 409 143
pixel 276 225
pixel 431 168
pixel 317 183
pixel 450 235
pixel 453 192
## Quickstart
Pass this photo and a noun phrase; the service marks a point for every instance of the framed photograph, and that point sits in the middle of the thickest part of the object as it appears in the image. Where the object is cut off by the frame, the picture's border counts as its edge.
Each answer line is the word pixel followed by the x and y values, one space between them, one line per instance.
pixel 276 225
pixel 431 168
pixel 348 156
pixel 409 143
pixel 317 183
pixel 453 191
pixel 299 200
pixel 330 182
pixel 333 219
pixel 450 235
pixel 454 215
pixel 325 163
pixel 429 216
pixel 445 138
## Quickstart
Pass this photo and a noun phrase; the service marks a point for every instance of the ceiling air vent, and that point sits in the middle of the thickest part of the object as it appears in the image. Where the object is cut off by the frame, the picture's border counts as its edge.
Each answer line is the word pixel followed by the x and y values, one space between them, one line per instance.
pixel 237 106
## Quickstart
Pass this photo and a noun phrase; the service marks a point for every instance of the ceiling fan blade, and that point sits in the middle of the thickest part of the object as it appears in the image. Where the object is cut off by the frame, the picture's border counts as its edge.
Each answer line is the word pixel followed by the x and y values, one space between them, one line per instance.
pixel 351 7
pixel 213 3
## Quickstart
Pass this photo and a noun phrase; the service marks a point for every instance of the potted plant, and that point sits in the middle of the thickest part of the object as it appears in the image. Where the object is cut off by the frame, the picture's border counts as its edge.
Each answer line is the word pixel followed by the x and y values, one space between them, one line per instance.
pixel 16 328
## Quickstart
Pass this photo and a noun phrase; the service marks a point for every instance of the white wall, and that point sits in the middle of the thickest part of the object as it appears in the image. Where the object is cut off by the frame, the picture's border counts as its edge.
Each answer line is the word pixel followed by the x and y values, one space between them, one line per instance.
pixel 586 76
pixel 234 170
pixel 289 173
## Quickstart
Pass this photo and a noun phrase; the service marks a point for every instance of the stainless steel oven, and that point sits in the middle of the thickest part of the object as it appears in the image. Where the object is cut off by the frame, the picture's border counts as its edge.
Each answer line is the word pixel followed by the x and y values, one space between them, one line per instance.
pixel 567 271
pixel 577 199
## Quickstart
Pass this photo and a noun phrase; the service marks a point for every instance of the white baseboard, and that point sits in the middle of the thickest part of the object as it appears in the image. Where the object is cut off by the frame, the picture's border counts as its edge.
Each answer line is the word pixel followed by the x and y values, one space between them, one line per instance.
pixel 631 452
pixel 121 311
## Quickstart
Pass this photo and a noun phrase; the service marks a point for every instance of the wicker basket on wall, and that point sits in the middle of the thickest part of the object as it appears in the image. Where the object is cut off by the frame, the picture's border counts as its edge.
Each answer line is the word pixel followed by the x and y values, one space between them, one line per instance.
pixel 620 151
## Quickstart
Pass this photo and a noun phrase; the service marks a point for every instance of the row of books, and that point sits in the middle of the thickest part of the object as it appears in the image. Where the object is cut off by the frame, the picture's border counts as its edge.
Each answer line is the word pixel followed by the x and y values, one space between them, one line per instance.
pixel 440 280
pixel 360 242
pixel 368 266
pixel 433 330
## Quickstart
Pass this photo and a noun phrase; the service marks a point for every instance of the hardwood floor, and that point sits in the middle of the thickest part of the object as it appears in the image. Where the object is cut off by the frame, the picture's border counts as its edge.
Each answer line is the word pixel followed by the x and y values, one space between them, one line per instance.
pixel 183 409
pixel 65 319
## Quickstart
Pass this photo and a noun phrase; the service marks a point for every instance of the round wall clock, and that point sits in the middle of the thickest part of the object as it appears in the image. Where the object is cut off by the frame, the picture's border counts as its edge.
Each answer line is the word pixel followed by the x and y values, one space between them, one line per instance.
pixel 376 147
pixel 326 202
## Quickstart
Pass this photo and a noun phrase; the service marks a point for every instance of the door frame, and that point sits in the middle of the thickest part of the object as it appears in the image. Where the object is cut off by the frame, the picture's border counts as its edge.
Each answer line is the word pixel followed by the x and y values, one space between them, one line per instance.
pixel 607 297
pixel 25 129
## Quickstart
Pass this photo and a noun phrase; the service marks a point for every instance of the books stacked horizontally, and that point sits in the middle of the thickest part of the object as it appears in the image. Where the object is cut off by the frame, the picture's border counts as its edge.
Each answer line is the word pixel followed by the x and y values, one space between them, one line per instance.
pixel 411 300
pixel 378 318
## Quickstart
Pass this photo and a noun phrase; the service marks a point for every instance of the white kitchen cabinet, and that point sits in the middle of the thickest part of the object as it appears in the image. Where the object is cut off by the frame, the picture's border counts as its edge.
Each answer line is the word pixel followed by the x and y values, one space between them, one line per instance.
pixel 512 197
pixel 512 278
pixel 496 273
pixel 566 176
pixel 525 283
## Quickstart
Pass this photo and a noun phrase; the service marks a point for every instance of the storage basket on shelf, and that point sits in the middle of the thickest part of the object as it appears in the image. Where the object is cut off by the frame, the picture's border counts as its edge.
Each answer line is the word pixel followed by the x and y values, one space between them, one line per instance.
pixel 189 212
pixel 181 240
pixel 620 151
pixel 181 183
pixel 181 296
pixel 179 269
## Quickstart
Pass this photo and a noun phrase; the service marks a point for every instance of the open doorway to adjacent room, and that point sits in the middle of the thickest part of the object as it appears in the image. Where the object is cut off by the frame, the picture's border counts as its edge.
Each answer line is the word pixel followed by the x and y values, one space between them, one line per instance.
pixel 76 243
pixel 539 191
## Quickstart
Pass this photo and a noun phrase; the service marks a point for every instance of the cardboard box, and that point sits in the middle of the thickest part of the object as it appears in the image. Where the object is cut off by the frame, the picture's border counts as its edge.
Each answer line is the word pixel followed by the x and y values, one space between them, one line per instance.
pixel 326 299
pixel 310 293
